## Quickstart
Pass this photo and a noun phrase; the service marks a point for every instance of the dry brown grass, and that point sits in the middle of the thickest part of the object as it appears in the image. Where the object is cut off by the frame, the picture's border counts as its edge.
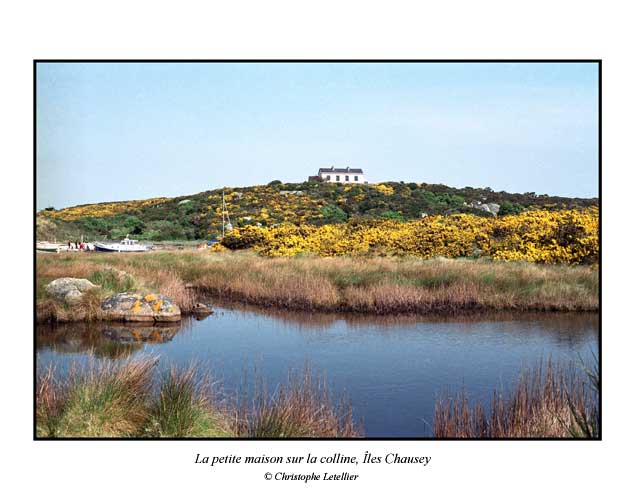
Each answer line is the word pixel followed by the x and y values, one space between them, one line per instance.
pixel 51 395
pixel 543 404
pixel 49 310
pixel 132 399
pixel 302 408
pixel 376 285
pixel 121 399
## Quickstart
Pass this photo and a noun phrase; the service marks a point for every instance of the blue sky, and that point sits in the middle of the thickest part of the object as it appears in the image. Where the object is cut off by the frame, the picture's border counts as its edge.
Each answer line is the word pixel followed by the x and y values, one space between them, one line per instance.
pixel 131 131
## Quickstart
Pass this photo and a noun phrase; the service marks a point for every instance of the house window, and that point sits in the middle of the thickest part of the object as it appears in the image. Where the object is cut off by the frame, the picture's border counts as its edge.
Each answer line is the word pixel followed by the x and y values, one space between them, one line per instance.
pixel 356 179
pixel 337 178
pixel 328 177
pixel 346 178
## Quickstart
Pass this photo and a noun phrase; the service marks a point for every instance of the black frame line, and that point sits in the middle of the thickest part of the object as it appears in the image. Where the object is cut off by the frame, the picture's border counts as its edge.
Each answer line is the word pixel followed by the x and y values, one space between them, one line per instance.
pixel 360 61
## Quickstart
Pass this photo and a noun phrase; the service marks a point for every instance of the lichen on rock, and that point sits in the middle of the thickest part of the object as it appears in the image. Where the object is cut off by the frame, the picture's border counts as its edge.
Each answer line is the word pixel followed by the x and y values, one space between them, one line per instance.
pixel 129 306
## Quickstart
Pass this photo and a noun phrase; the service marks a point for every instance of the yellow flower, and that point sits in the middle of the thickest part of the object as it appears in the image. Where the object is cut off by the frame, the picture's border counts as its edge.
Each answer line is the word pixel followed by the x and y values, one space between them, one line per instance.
pixel 565 236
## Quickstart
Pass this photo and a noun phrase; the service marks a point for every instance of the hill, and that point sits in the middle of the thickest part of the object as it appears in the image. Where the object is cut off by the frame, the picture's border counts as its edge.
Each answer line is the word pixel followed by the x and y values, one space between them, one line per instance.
pixel 198 216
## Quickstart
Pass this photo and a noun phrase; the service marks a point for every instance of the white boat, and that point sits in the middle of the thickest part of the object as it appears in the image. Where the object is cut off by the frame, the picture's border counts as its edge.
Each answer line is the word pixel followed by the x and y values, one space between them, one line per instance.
pixel 125 245
pixel 48 247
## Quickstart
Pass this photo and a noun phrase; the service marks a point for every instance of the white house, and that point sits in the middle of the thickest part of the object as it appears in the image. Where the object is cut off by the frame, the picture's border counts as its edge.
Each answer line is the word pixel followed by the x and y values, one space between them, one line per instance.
pixel 346 175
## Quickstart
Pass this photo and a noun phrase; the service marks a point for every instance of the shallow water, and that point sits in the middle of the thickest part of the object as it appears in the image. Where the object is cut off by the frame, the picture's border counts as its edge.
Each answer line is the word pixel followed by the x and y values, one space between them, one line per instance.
pixel 391 369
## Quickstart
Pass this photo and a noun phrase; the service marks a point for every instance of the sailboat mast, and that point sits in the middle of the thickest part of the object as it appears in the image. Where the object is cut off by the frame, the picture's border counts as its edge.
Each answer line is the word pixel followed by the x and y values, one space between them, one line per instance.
pixel 226 220
pixel 223 210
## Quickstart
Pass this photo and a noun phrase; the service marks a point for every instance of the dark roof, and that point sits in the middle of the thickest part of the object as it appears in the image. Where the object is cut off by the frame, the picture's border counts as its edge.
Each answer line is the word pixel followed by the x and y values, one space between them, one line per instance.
pixel 346 170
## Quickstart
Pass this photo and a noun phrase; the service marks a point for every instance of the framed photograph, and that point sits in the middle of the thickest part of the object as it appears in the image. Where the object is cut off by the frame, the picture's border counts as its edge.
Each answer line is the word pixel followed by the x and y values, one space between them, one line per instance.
pixel 317 249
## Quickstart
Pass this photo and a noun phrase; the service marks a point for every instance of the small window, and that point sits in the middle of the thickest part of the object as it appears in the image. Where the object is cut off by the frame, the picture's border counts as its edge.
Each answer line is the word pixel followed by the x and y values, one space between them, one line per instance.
pixel 337 178
pixel 346 178
pixel 356 179
pixel 328 177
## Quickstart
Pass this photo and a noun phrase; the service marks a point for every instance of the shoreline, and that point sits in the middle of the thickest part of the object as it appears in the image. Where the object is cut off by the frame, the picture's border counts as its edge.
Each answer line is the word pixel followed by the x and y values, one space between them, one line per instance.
pixel 434 308
pixel 436 311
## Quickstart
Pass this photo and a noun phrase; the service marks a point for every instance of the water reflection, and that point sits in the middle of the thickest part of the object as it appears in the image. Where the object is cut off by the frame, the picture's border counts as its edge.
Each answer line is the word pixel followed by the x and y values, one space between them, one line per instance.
pixel 571 327
pixel 104 340
pixel 121 339
pixel 150 334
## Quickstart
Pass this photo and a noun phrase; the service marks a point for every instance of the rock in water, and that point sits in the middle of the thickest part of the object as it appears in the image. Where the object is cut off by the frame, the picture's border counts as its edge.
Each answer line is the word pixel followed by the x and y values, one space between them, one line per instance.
pixel 201 311
pixel 129 306
pixel 69 290
pixel 200 308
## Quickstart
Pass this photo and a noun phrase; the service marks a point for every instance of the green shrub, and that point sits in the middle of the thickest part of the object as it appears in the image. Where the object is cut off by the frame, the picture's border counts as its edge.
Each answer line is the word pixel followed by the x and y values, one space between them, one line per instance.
pixel 392 215
pixel 333 213
pixel 509 208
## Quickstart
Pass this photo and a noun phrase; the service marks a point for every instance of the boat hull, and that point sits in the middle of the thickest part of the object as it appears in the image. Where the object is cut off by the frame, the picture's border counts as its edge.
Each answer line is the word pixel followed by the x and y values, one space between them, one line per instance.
pixel 102 247
pixel 48 249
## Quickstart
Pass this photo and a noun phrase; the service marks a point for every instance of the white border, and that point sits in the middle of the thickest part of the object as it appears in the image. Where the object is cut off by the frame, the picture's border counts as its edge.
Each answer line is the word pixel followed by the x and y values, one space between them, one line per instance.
pixel 320 30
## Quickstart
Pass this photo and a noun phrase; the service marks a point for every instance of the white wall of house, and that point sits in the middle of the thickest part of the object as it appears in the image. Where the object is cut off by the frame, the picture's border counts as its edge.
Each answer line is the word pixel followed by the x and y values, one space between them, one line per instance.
pixel 343 177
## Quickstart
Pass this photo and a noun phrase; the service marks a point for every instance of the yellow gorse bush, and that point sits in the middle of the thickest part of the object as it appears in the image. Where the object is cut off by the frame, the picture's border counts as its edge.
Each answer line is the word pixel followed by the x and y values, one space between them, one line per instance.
pixel 382 188
pixel 99 210
pixel 565 236
pixel 267 206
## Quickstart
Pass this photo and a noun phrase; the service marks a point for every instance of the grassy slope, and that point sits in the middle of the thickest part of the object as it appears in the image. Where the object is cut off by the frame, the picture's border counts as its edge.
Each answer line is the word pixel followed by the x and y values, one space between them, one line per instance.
pixel 196 217
pixel 376 285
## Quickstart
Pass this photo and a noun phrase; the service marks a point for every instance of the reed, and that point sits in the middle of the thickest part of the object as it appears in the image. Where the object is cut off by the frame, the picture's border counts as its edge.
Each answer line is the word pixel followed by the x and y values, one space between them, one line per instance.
pixel 547 402
pixel 303 407
pixel 104 400
pixel 375 285
pixel 186 407
pixel 112 399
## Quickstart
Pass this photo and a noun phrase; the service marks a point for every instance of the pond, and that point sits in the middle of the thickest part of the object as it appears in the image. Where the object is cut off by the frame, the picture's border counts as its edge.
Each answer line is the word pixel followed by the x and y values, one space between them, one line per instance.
pixel 391 369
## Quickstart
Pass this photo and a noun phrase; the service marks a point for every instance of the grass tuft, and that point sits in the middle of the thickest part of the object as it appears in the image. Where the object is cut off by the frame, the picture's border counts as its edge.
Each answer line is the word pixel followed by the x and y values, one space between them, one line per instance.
pixel 105 400
pixel 546 403
pixel 113 281
pixel 183 407
pixel 301 408
pixel 121 399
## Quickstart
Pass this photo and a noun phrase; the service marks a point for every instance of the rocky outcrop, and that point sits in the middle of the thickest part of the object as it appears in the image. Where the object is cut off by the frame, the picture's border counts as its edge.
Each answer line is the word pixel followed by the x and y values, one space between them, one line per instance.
pixel 69 290
pixel 129 306
pixel 491 208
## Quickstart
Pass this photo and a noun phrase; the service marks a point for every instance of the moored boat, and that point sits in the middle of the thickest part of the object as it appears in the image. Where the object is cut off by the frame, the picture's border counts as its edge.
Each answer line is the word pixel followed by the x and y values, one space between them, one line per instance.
pixel 125 245
pixel 48 247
